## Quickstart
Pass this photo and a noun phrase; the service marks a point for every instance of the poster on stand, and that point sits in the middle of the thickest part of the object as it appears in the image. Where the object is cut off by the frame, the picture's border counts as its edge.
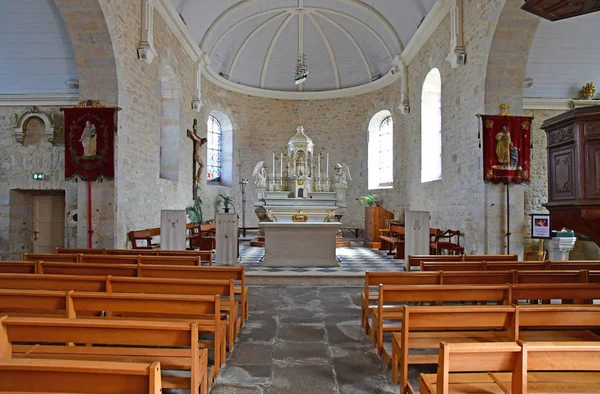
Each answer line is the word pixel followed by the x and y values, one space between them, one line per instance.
pixel 540 226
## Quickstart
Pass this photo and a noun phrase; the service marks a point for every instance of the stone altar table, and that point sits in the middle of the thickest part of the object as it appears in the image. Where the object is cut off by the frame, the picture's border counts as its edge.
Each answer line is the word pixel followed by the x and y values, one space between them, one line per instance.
pixel 307 244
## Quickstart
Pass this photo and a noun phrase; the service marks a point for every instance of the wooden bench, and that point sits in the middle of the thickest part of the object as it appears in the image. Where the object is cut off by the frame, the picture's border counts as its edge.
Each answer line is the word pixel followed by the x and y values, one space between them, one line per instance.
pixel 205 255
pixel 122 340
pixel 391 297
pixel 18 267
pixel 198 309
pixel 150 260
pixel 425 327
pixel 223 288
pixel 491 257
pixel 566 368
pixel 482 266
pixel 393 238
pixel 63 258
pixel 415 260
pixel 69 376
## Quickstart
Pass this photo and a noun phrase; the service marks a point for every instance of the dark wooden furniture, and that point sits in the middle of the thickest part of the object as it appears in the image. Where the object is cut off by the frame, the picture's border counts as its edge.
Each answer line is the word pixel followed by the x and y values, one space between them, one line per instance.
pixel 574 171
pixel 375 219
pixel 554 10
pixel 443 241
pixel 393 238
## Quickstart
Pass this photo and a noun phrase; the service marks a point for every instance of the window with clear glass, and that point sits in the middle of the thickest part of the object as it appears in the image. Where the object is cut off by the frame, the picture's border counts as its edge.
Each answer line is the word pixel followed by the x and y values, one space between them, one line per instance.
pixel 381 151
pixel 214 134
pixel 431 127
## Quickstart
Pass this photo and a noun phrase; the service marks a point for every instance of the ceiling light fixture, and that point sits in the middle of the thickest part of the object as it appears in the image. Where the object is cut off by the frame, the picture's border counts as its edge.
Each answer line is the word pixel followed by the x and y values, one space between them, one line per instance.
pixel 302 69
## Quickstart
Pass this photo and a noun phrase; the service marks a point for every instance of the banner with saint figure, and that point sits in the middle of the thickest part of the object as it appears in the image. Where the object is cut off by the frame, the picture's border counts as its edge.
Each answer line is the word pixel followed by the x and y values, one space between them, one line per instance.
pixel 89 142
pixel 506 148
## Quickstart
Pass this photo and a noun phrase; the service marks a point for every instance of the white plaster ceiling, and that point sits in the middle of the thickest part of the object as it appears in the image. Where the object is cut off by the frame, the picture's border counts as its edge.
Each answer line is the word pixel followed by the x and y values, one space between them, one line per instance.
pixel 347 42
pixel 564 56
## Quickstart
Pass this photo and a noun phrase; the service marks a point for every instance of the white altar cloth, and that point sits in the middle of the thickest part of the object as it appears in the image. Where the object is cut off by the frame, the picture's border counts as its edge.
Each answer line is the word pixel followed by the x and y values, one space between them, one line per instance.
pixel 289 244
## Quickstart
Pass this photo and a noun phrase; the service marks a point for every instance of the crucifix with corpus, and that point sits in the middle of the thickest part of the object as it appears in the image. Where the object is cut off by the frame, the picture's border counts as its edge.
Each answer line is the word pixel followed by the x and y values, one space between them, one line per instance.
pixel 198 165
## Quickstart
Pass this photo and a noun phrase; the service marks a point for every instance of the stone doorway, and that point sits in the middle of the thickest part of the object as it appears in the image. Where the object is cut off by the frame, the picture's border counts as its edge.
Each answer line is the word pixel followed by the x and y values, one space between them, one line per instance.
pixel 37 221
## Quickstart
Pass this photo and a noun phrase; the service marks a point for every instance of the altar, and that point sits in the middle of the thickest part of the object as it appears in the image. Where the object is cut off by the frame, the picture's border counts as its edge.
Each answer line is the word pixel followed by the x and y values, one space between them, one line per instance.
pixel 308 244
pixel 300 206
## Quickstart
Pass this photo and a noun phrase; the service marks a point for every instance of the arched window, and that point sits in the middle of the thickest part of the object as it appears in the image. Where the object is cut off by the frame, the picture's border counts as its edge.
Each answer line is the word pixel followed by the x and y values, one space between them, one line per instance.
pixel 431 127
pixel 170 93
pixel 381 151
pixel 219 160
pixel 214 134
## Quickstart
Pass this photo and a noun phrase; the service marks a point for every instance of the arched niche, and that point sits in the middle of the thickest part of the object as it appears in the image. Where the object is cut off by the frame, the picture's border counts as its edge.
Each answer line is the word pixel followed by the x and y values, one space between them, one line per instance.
pixel 23 119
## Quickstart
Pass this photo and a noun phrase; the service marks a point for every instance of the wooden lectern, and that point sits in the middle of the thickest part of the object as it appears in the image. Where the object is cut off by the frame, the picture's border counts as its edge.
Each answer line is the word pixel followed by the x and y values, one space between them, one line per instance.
pixel 574 171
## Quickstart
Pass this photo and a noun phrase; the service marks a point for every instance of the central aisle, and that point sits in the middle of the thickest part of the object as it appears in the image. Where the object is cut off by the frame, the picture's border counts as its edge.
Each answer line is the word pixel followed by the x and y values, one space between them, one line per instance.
pixel 305 340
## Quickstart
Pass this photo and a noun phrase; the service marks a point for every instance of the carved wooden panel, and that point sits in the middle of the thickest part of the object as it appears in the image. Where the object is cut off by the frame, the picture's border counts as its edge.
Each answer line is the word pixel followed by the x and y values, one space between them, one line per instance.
pixel 592 129
pixel 554 10
pixel 562 174
pixel 592 170
pixel 559 136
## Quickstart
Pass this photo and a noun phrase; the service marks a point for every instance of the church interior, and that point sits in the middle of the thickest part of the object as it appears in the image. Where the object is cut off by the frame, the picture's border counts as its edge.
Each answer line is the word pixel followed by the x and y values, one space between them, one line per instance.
pixel 282 196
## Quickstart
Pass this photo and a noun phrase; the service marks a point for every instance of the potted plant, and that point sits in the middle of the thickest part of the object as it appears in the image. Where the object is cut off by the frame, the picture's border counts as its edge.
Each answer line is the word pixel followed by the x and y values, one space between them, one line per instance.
pixel 227 202
pixel 194 211
pixel 369 200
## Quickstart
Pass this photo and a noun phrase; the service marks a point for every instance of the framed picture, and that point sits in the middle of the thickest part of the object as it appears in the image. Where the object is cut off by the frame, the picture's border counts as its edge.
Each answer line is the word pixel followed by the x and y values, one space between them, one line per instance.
pixel 540 226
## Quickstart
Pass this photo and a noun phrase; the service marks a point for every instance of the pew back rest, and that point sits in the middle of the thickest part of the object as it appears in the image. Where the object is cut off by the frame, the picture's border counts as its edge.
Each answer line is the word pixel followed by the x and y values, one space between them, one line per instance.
pixel 491 257
pixel 33 302
pixel 472 317
pixel 224 288
pixel 104 259
pixel 83 377
pixel 558 316
pixel 475 357
pixel 546 276
pixel 57 268
pixel 97 331
pixel 476 277
pixel 580 293
pixel 65 258
pixel 415 260
pixel 18 267
pixel 53 282
pixel 442 293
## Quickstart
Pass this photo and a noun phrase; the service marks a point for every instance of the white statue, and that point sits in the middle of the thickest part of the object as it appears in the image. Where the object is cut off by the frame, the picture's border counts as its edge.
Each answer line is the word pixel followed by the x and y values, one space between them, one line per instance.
pixel 339 175
pixel 259 175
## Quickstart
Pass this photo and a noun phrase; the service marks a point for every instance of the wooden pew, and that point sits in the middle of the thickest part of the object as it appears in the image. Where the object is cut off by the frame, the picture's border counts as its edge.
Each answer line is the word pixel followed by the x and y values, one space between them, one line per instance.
pixel 33 303
pixel 123 340
pixel 568 322
pixel 18 267
pixel 394 239
pixel 69 376
pixel 426 327
pixel 390 296
pixel 574 264
pixel 573 276
pixel 228 273
pixel 150 260
pixel 577 293
pixel 53 282
pixel 491 257
pixel 223 288
pixel 63 258
pixel 567 368
pixel 205 255
pixel 390 278
pixel 483 266
pixel 56 268
pixel 457 358
pixel 415 261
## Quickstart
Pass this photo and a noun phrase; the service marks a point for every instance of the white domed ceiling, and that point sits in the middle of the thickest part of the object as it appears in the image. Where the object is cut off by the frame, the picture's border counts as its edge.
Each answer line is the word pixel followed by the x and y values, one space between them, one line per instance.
pixel 347 43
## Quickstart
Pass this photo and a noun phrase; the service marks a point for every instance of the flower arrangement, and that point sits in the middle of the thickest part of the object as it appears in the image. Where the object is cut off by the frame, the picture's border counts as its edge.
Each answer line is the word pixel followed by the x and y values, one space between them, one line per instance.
pixel 587 91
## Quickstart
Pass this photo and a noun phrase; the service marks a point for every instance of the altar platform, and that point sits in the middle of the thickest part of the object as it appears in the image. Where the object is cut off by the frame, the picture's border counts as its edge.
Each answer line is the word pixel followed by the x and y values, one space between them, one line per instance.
pixel 354 261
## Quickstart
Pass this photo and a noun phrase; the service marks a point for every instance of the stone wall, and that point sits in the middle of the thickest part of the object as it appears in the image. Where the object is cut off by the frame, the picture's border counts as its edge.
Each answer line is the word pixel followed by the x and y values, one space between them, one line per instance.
pixel 17 187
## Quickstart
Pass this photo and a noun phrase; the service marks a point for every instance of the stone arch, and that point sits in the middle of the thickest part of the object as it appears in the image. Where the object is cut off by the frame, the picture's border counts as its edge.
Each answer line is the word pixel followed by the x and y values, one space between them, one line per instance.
pixel 24 120
pixel 170 103
pixel 93 48
pixel 508 56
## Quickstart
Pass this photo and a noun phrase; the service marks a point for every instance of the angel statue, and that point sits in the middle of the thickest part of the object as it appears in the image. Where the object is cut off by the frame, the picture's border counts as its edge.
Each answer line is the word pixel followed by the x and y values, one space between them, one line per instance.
pixel 339 175
pixel 259 175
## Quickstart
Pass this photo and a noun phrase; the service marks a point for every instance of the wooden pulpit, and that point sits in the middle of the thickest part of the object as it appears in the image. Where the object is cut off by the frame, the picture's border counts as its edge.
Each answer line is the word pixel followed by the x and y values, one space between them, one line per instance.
pixel 574 171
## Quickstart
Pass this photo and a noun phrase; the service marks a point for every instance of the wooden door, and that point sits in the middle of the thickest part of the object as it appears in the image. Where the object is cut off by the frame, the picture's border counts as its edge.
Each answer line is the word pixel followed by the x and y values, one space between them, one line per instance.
pixel 48 223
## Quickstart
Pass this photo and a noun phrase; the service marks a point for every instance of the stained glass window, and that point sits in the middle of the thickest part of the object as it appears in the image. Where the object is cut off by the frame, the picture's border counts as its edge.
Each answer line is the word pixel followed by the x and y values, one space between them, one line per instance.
pixel 214 149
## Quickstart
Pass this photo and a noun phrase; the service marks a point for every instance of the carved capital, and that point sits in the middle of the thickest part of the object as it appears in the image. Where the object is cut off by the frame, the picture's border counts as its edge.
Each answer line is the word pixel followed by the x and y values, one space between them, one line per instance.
pixel 458 55
pixel 146 52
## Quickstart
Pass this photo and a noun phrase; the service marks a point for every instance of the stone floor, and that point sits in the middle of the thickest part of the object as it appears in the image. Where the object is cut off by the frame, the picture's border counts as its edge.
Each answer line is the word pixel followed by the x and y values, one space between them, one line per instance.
pixel 305 340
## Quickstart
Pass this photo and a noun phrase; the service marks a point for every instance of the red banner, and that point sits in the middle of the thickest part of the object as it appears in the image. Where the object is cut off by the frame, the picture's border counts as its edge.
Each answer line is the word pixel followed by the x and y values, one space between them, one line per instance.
pixel 89 142
pixel 506 148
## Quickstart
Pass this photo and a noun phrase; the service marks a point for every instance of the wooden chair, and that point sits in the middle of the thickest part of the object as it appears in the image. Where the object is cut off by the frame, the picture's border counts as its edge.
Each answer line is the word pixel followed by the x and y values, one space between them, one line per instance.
pixel 393 238
pixel 78 376
pixel 443 241
pixel 142 239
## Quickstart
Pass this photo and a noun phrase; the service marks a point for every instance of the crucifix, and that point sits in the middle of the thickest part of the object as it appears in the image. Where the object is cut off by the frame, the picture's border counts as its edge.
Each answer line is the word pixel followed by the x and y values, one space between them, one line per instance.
pixel 198 164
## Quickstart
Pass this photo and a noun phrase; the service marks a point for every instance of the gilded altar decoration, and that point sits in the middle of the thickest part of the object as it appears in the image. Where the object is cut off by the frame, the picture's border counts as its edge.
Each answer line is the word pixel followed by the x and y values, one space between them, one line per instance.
pixel 587 91
pixel 299 217
pixel 506 148
pixel 89 141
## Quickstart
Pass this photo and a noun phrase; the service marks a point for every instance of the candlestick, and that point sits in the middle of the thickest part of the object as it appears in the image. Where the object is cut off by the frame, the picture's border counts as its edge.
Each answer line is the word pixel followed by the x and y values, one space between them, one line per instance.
pixel 319 165
pixel 273 165
pixel 281 167
pixel 327 176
